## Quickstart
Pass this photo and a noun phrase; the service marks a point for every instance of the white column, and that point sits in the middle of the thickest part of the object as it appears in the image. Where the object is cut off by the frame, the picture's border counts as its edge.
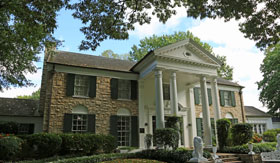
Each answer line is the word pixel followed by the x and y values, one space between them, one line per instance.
pixel 141 111
pixel 191 115
pixel 159 100
pixel 173 93
pixel 206 113
pixel 215 99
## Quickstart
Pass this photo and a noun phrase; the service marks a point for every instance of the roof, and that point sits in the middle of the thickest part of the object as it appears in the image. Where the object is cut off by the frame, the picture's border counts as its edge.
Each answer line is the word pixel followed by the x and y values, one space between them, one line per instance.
pixel 90 61
pixel 222 81
pixel 19 107
pixel 251 111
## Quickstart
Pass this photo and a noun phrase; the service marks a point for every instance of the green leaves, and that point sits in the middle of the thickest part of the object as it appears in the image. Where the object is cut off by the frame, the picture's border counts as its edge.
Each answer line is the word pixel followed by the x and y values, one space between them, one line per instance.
pixel 269 85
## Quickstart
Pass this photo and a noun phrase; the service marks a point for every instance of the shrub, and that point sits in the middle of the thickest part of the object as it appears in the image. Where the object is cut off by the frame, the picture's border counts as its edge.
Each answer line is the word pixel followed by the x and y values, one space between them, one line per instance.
pixel 257 138
pixel 169 156
pixel 270 136
pixel 172 122
pixel 10 147
pixel 166 137
pixel 257 148
pixel 223 127
pixel 9 128
pixel 44 144
pixel 242 133
pixel 109 143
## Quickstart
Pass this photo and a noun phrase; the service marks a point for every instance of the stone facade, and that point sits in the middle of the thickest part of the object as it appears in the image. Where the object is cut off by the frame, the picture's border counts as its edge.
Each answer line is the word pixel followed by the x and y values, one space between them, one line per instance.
pixel 236 111
pixel 102 105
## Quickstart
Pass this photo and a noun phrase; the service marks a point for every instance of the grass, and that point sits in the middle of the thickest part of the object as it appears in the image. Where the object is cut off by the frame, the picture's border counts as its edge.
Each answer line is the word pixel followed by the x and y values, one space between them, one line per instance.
pixel 133 161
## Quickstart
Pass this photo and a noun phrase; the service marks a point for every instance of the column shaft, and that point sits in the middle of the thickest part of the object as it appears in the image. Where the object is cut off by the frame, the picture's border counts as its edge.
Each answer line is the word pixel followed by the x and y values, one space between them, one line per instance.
pixel 173 93
pixel 215 99
pixel 205 112
pixel 159 100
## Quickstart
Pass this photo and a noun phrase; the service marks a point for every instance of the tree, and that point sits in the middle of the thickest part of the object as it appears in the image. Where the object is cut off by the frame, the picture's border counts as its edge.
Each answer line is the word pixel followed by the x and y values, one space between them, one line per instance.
pixel 107 19
pixel 34 96
pixel 269 85
pixel 154 42
pixel 25 28
pixel 111 54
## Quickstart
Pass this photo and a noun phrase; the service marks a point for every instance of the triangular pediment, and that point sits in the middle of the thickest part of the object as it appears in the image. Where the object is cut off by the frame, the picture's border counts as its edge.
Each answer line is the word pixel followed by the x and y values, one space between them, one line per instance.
pixel 187 50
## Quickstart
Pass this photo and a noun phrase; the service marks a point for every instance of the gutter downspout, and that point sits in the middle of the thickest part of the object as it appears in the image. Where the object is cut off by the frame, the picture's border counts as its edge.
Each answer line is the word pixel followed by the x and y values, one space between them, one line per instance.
pixel 242 105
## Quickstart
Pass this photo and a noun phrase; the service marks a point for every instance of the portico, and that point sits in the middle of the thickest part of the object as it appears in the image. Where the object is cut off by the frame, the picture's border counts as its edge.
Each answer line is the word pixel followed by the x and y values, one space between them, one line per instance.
pixel 167 77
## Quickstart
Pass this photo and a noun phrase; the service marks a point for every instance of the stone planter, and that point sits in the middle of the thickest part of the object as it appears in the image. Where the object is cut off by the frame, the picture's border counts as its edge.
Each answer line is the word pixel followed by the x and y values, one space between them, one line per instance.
pixel 250 146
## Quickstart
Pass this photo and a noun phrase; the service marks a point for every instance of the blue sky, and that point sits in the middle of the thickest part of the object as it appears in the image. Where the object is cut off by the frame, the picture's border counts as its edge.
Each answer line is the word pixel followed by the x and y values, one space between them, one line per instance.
pixel 225 38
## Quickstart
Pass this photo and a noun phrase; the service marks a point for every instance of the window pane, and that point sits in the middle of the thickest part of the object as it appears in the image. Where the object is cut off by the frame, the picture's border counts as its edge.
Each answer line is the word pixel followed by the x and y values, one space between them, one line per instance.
pixel 123 127
pixel 124 87
pixel 79 123
pixel 81 87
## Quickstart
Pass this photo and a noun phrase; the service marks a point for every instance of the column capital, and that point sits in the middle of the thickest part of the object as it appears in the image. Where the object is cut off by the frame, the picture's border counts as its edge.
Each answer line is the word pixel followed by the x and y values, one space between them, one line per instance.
pixel 158 73
pixel 203 78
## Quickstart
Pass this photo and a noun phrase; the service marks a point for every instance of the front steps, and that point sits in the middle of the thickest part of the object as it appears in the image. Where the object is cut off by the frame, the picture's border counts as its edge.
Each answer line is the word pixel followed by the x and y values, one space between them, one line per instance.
pixel 229 157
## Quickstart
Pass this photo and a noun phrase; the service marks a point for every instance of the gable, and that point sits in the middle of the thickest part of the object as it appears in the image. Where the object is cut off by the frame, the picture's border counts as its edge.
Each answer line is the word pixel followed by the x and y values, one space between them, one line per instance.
pixel 187 50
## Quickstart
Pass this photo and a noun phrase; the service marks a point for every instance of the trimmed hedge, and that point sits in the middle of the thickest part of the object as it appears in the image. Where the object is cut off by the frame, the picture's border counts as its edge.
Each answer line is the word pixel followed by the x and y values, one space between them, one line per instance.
pixel 10 147
pixel 242 133
pixel 9 127
pixel 223 129
pixel 257 148
pixel 166 137
pixel 270 135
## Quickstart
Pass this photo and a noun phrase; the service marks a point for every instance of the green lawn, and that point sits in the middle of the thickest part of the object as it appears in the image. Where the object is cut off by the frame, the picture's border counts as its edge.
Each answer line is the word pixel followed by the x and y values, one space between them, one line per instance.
pixel 133 161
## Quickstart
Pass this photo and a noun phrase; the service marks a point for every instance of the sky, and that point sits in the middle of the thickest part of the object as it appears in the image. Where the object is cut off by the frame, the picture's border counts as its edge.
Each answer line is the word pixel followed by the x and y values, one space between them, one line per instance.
pixel 224 37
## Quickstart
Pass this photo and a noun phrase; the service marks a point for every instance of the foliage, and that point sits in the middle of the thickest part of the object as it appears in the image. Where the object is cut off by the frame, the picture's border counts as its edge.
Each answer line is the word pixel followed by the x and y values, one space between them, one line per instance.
pixel 114 19
pixel 166 137
pixel 10 147
pixel 269 85
pixel 109 143
pixel 148 140
pixel 9 127
pixel 26 28
pixel 257 148
pixel 169 156
pixel 111 54
pixel 257 138
pixel 223 129
pixel 172 122
pixel 34 96
pixel 269 136
pixel 154 42
pixel 96 158
pixel 44 144
pixel 242 133
pixel 133 161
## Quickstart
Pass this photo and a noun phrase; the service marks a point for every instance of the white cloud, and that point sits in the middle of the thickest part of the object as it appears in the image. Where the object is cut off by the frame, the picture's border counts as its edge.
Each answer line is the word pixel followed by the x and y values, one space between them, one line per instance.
pixel 241 54
pixel 16 91
pixel 156 27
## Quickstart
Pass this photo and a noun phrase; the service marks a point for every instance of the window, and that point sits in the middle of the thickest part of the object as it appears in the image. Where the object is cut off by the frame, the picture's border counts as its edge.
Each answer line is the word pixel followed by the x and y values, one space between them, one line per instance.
pixel 123 126
pixel 166 91
pixel 231 118
pixel 25 128
pixel 81 87
pixel 227 98
pixel 79 123
pixel 200 130
pixel 197 96
pixel 124 90
pixel 259 128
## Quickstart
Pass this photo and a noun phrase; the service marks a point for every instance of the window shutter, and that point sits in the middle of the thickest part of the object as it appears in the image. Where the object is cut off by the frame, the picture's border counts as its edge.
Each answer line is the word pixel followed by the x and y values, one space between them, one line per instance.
pixel 92 86
pixel 134 131
pixel 67 123
pixel 114 88
pixel 209 96
pixel 31 129
pixel 70 84
pixel 91 123
pixel 196 96
pixel 199 127
pixel 134 89
pixel 113 126
pixel 233 99
pixel 222 98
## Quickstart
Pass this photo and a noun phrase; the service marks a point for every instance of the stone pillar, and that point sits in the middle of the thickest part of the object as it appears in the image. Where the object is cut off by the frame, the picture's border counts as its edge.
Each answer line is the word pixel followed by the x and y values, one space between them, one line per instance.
pixel 205 112
pixel 159 100
pixel 215 99
pixel 173 93
pixel 191 115
pixel 141 111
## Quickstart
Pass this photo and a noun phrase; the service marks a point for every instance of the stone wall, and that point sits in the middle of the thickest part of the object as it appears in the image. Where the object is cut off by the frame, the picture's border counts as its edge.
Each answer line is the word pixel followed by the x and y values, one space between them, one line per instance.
pixel 102 105
pixel 235 111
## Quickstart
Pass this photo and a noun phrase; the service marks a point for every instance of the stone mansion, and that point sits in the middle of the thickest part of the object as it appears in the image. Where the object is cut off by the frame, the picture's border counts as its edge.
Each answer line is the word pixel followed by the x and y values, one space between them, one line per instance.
pixel 86 93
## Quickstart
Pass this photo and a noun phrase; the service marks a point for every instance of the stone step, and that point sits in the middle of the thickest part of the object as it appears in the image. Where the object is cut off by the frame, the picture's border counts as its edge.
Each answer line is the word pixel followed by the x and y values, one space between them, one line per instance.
pixel 226 155
pixel 234 161
pixel 229 159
